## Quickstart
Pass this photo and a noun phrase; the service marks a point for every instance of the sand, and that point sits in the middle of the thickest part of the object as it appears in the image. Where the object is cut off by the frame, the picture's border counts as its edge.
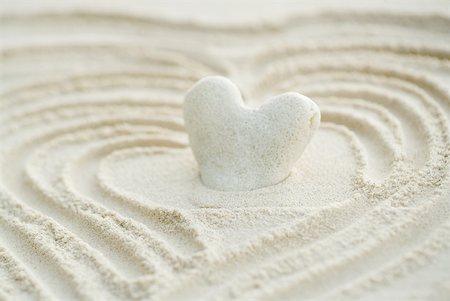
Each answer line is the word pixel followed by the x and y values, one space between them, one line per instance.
pixel 100 197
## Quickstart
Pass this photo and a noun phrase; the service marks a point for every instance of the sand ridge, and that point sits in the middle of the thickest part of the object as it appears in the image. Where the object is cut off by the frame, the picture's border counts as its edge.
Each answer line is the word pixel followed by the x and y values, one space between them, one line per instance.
pixel 99 192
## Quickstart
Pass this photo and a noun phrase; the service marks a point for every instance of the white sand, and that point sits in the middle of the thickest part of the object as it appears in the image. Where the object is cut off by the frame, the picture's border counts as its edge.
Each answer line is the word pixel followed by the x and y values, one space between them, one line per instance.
pixel 99 193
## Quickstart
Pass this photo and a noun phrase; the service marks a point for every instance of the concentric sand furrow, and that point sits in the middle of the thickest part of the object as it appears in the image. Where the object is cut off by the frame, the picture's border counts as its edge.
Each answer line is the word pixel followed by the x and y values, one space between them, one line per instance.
pixel 95 215
pixel 142 211
pixel 100 196
pixel 16 281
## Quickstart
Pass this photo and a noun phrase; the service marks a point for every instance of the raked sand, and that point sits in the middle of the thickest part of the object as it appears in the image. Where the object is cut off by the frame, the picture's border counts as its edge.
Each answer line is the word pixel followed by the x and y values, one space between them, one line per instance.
pixel 100 197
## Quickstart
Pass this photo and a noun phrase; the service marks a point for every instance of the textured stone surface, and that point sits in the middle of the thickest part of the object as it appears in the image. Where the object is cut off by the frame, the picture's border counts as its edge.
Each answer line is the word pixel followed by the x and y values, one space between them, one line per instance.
pixel 240 148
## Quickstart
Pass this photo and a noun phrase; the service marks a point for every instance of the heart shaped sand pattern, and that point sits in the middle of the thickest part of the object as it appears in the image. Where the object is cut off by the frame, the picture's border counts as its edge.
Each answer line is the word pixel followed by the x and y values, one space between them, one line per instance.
pixel 240 148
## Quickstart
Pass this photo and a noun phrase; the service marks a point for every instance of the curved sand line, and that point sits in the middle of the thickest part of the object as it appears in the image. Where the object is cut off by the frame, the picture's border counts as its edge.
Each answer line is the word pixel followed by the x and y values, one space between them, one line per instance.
pixel 98 186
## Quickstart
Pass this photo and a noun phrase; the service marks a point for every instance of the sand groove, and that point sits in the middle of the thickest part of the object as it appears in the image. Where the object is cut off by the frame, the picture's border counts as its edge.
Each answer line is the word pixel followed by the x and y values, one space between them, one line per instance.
pixel 98 186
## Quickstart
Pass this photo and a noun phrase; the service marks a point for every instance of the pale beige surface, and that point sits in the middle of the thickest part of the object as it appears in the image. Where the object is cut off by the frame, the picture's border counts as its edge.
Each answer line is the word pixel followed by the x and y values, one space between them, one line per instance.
pixel 240 148
pixel 99 192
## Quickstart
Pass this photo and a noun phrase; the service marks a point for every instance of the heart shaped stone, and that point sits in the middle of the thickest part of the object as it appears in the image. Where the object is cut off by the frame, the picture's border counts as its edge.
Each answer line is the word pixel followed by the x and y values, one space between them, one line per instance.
pixel 240 148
